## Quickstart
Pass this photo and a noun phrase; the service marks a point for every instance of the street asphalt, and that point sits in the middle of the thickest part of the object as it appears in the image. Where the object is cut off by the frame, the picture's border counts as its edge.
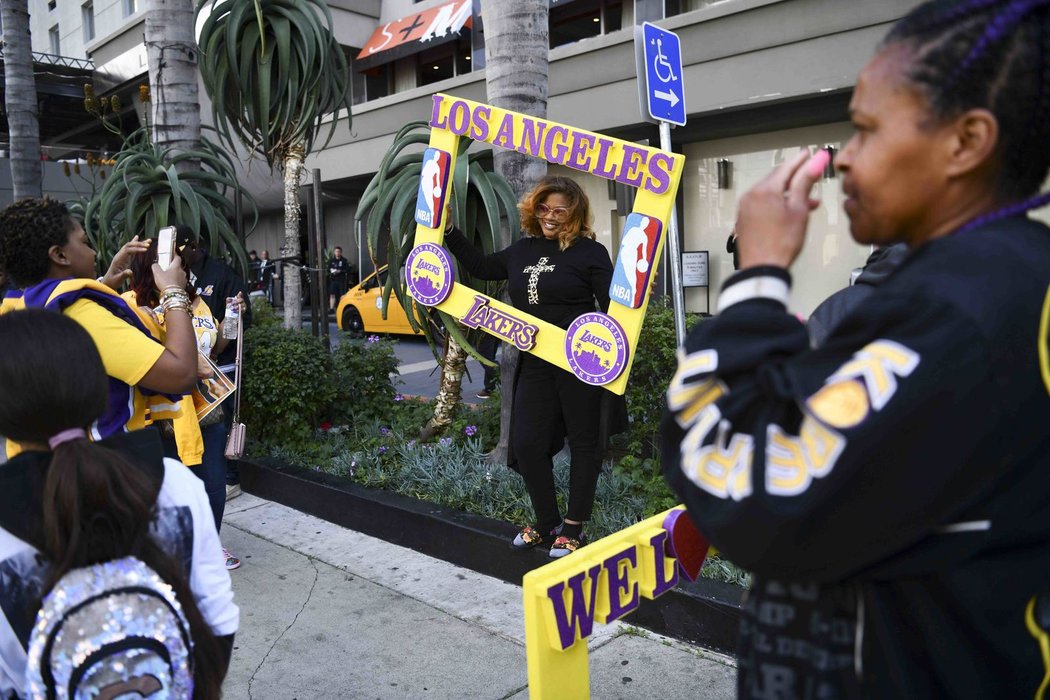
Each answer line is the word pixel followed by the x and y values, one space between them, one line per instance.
pixel 327 612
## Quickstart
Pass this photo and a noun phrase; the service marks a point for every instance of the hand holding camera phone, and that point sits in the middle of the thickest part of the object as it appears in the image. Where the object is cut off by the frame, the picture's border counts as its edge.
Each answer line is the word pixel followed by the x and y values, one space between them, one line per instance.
pixel 165 247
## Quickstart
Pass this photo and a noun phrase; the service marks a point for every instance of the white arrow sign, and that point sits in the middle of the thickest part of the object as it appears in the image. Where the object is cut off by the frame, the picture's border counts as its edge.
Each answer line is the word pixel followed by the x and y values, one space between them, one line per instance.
pixel 670 96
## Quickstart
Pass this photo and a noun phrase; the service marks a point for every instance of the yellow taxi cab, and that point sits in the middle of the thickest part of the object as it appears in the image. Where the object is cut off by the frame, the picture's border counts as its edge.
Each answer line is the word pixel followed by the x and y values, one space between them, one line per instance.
pixel 360 310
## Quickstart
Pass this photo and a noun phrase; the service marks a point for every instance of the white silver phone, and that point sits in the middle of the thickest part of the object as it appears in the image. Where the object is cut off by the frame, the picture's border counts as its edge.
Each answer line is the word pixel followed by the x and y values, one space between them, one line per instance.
pixel 165 246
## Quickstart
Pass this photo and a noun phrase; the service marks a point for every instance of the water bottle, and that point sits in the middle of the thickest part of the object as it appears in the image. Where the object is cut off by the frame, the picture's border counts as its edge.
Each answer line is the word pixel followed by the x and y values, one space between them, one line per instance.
pixel 229 326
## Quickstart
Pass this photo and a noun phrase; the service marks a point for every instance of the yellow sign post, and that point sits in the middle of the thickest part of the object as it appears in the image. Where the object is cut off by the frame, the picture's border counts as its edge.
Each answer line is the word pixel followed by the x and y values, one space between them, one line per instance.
pixel 600 583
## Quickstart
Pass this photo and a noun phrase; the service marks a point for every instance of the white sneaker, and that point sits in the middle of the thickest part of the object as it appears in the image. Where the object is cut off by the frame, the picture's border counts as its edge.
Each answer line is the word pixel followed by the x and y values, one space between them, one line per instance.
pixel 232 562
pixel 233 491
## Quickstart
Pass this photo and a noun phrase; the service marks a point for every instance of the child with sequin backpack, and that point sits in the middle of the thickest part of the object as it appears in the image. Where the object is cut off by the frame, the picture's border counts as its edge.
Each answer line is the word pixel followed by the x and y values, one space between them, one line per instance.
pixel 112 585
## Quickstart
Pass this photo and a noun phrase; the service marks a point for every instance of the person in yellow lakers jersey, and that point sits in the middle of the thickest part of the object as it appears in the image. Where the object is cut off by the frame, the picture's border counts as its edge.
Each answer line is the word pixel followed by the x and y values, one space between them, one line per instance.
pixel 45 252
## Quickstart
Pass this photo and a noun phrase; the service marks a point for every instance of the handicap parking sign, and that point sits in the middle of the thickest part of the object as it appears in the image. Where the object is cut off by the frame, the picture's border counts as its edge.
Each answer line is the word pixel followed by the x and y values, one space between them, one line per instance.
pixel 664 89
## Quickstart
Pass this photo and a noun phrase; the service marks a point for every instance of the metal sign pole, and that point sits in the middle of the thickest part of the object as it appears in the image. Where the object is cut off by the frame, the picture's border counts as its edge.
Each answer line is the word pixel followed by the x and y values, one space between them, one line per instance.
pixel 661 96
pixel 674 256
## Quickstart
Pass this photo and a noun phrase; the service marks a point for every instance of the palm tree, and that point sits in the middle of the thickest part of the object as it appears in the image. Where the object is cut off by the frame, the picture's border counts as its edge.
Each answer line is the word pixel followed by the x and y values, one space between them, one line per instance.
pixel 171 54
pixel 274 73
pixel 20 100
pixel 479 200
pixel 517 46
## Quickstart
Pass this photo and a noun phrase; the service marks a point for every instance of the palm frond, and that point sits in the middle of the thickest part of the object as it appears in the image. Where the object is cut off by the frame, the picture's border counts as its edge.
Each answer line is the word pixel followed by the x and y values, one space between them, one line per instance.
pixel 146 192
pixel 274 73
pixel 480 201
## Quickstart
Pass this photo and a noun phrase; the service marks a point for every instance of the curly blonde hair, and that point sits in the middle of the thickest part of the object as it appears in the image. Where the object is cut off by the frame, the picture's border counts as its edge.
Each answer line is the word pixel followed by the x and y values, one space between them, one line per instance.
pixel 578 223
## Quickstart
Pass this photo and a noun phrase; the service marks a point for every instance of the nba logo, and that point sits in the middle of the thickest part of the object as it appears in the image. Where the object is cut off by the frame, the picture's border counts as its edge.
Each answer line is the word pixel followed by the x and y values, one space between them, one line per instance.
pixel 634 264
pixel 433 186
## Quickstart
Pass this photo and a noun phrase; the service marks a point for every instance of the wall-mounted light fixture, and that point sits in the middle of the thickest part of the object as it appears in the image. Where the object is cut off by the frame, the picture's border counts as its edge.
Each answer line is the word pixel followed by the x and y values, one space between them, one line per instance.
pixel 725 174
pixel 829 169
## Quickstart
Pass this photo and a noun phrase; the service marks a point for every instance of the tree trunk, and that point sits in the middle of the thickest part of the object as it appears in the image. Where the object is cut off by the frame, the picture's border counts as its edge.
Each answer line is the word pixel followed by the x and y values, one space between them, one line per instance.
pixel 171 51
pixel 20 100
pixel 293 289
pixel 450 392
pixel 517 41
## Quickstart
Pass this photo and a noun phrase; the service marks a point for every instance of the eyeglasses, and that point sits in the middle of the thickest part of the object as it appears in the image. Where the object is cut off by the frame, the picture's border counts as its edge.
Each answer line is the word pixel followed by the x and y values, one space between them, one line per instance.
pixel 556 212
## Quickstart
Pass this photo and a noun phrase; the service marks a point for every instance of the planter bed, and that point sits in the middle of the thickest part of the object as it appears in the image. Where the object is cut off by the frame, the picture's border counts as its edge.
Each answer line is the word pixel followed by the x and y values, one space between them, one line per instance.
pixel 705 613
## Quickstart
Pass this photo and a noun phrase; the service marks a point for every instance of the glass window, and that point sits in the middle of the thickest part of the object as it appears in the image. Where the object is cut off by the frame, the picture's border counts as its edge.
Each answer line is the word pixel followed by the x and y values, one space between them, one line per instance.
pixel 583 19
pixel 87 16
pixel 444 61
pixel 677 7
pixel 130 7
pixel 372 83
pixel 53 41
pixel 51 5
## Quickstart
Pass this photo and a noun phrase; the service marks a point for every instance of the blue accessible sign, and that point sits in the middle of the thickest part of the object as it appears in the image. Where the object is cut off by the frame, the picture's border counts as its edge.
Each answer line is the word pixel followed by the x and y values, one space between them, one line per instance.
pixel 664 89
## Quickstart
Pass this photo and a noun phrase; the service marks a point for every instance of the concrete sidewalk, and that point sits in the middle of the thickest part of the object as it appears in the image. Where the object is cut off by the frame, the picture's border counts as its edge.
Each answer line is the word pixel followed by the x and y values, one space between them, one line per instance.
pixel 327 612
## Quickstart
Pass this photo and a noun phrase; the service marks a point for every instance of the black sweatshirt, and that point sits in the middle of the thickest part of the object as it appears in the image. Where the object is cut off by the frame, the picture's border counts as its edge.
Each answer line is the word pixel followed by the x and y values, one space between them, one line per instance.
pixel 553 285
pixel 891 489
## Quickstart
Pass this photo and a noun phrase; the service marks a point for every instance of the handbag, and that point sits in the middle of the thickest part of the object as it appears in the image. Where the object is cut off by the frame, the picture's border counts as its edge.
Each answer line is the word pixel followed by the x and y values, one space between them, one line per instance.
pixel 238 431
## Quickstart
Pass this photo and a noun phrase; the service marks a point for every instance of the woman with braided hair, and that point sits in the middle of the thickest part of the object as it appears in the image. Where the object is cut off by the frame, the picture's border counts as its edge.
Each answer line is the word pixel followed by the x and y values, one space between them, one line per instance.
pixel 889 489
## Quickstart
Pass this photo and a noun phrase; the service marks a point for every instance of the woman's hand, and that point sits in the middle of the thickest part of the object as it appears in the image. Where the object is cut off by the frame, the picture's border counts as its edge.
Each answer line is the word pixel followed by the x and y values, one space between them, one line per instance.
pixel 204 370
pixel 174 276
pixel 773 215
pixel 120 269
pixel 238 300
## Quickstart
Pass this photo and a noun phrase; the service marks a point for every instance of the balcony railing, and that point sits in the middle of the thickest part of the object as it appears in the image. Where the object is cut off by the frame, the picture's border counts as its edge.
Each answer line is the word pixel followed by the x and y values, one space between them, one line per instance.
pixel 64 61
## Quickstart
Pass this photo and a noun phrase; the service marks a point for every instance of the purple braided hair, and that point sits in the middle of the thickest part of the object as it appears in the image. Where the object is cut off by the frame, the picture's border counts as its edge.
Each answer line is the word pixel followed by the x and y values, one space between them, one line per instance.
pixel 948 16
pixel 1000 26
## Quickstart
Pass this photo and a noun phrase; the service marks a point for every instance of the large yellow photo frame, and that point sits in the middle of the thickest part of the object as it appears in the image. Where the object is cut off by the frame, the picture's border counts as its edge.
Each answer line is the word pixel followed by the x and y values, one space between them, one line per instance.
pixel 598 348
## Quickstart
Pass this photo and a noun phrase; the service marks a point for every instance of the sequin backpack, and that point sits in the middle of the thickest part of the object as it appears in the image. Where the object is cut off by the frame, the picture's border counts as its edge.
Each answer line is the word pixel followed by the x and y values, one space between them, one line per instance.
pixel 107 631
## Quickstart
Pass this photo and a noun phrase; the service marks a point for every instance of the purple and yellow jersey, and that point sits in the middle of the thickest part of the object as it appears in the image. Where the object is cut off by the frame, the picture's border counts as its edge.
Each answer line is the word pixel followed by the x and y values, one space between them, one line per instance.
pixel 127 349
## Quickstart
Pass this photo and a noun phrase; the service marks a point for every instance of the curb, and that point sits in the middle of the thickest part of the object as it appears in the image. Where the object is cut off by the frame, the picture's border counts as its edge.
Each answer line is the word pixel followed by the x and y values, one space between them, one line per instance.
pixel 705 613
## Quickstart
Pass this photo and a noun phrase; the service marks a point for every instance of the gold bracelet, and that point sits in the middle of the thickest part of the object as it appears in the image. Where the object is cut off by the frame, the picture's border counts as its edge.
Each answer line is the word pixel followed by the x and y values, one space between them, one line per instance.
pixel 175 293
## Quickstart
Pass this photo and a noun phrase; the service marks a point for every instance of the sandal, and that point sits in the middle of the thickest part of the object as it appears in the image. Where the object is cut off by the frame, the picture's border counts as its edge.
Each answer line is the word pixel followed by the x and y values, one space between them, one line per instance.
pixel 529 537
pixel 565 545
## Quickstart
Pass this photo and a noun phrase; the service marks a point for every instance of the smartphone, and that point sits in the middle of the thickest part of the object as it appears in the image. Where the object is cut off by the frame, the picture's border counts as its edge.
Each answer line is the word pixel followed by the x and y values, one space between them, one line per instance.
pixel 165 246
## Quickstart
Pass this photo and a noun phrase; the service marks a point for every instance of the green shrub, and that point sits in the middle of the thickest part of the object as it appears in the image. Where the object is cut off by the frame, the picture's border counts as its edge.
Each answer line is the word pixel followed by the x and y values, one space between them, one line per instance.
pixel 287 385
pixel 263 315
pixel 364 378
pixel 654 365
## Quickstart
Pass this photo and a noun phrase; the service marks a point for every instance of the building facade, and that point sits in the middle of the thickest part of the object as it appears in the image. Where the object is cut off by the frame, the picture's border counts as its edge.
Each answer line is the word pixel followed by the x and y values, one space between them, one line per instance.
pixel 762 78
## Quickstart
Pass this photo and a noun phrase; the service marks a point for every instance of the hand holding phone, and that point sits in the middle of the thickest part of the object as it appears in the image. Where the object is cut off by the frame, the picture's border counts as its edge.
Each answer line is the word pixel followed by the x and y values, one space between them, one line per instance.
pixel 165 246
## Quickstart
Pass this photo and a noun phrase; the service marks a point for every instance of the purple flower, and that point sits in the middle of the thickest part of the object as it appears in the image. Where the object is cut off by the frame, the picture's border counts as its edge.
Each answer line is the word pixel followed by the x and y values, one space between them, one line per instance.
pixel 384 431
pixel 398 397
pixel 382 450
pixel 446 441
pixel 373 338
pixel 471 430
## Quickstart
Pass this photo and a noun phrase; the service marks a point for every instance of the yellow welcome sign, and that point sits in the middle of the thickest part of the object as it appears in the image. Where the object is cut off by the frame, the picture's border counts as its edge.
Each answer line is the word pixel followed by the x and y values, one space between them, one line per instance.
pixel 600 583
pixel 597 347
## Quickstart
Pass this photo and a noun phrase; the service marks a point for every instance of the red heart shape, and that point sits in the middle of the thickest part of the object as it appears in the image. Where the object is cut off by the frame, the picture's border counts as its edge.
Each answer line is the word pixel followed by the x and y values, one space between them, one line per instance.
pixel 685 543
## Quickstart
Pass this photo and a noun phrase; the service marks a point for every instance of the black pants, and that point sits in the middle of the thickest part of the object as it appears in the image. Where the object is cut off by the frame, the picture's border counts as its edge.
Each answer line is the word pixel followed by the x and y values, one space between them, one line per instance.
pixel 487 346
pixel 546 398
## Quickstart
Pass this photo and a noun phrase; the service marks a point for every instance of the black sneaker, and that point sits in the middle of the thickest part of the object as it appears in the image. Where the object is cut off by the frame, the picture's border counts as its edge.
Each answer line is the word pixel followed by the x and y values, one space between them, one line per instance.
pixel 483 394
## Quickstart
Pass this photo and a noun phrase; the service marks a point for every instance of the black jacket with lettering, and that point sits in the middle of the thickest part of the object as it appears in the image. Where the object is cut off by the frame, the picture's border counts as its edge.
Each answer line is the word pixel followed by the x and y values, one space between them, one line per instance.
pixel 889 490
pixel 215 282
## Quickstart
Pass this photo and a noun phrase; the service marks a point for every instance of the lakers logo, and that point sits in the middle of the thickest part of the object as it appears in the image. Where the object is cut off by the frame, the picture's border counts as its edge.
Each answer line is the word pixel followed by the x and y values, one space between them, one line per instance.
pixel 428 272
pixel 596 348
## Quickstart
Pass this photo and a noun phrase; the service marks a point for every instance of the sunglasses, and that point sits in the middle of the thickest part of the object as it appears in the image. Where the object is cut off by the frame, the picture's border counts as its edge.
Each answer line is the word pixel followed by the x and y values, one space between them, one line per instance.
pixel 556 212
